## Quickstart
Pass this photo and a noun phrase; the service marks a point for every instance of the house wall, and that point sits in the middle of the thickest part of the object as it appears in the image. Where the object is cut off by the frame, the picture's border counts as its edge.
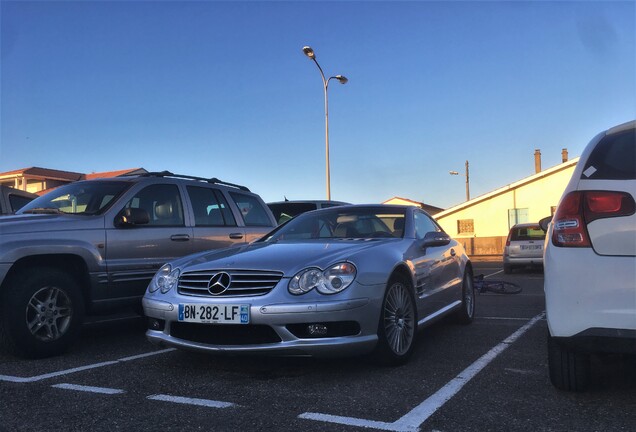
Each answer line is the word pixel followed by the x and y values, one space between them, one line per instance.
pixel 539 194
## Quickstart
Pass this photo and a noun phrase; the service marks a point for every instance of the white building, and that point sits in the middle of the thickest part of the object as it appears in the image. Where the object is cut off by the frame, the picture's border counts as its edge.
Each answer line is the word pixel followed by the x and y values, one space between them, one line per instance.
pixel 482 224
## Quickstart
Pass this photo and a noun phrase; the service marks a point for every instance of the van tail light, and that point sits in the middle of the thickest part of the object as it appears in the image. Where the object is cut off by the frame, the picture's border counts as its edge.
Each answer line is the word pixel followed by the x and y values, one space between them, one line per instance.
pixel 580 208
pixel 508 239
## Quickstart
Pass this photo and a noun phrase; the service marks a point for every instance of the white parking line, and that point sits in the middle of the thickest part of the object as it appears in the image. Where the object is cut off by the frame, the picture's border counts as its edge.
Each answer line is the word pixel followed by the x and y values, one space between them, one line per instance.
pixel 191 401
pixel 79 369
pixel 413 419
pixel 504 318
pixel 102 390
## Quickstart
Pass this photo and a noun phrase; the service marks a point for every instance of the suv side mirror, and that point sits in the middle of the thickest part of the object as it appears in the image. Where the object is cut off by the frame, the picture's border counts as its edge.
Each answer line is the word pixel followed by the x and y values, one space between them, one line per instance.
pixel 434 238
pixel 131 217
pixel 543 223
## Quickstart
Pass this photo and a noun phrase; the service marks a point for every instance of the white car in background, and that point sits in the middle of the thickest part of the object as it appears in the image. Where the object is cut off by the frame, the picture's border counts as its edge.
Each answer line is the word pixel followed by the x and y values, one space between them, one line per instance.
pixel 590 260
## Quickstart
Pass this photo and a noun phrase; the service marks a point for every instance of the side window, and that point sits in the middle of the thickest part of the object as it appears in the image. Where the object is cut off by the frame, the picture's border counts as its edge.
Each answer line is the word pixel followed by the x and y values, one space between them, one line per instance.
pixel 162 202
pixel 17 202
pixel 210 207
pixel 285 211
pixel 251 209
pixel 424 224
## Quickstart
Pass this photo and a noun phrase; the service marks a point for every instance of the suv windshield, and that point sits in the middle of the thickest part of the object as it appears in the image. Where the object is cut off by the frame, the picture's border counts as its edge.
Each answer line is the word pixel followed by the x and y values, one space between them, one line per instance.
pixel 87 198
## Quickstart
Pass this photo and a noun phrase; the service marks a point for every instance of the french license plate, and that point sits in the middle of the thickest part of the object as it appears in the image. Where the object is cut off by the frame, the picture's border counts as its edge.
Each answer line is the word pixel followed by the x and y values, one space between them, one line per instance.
pixel 218 314
pixel 531 247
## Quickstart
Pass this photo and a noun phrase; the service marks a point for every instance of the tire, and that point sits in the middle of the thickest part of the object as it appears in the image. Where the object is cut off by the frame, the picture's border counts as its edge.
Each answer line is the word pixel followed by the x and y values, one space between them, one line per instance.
pixel 42 313
pixel 467 312
pixel 397 328
pixel 569 370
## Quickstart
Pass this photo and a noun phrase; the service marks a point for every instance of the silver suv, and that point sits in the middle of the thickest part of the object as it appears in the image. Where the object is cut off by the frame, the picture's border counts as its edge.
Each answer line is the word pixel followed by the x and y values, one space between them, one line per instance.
pixel 94 246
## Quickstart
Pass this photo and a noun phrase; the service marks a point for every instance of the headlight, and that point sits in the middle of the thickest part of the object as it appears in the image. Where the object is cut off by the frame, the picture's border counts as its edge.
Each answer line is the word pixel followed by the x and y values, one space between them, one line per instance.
pixel 331 281
pixel 164 280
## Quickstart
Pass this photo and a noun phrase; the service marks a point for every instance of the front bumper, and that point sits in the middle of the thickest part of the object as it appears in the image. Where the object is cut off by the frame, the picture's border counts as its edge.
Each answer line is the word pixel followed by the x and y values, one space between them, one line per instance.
pixel 276 324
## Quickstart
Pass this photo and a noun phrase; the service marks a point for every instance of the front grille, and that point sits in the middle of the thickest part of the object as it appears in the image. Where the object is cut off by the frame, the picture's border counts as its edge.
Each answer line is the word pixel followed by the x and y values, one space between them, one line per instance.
pixel 220 334
pixel 243 283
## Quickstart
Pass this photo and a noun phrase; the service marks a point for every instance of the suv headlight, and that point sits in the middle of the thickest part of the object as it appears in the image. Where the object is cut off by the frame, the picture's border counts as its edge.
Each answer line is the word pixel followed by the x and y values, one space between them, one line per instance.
pixel 165 279
pixel 331 281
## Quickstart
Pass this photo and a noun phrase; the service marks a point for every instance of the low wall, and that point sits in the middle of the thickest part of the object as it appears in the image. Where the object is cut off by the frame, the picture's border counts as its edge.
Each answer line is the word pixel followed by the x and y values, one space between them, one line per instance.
pixel 483 245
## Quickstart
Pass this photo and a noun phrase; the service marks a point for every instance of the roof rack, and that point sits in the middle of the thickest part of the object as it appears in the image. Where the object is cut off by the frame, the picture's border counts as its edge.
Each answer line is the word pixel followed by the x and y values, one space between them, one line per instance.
pixel 212 180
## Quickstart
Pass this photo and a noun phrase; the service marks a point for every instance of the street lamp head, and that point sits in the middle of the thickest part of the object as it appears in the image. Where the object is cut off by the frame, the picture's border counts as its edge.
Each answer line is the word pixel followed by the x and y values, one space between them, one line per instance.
pixel 453 173
pixel 342 79
pixel 309 52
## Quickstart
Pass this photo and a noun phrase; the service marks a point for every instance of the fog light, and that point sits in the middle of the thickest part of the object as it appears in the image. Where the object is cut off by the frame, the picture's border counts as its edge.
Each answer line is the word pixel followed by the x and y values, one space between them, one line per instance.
pixel 317 329
pixel 156 324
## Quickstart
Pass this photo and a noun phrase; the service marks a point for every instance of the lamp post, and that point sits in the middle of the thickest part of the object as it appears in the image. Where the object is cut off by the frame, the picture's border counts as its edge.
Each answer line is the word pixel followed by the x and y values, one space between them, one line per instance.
pixel 309 52
pixel 467 181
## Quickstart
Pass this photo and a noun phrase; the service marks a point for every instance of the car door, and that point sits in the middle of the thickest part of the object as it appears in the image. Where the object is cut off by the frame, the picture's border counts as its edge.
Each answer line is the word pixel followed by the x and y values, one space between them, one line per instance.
pixel 135 253
pixel 214 224
pixel 257 218
pixel 431 267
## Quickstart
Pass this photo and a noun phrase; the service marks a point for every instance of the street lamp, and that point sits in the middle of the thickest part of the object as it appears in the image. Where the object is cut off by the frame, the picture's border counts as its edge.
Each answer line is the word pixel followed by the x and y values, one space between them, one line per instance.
pixel 309 52
pixel 467 181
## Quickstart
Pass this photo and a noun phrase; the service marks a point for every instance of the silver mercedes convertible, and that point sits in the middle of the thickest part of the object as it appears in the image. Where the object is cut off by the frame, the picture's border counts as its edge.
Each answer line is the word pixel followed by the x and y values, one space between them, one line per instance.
pixel 339 281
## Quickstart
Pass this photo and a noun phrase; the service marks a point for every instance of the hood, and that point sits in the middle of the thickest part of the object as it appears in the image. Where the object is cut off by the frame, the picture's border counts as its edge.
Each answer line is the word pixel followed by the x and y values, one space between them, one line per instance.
pixel 32 223
pixel 286 257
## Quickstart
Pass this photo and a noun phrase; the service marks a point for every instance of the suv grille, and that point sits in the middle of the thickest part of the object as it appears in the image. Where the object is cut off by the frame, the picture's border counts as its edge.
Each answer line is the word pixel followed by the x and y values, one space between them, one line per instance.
pixel 242 283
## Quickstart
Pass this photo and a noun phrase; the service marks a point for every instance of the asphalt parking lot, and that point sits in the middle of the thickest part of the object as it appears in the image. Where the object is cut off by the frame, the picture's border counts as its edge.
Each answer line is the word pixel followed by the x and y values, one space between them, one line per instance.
pixel 489 376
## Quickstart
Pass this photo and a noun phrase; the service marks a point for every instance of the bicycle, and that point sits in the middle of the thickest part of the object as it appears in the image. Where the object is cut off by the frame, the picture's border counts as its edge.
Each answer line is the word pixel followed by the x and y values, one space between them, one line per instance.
pixel 495 286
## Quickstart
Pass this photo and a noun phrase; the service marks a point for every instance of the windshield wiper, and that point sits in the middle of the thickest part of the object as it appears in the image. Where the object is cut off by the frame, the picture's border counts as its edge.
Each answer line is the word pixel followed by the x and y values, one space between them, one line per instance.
pixel 44 210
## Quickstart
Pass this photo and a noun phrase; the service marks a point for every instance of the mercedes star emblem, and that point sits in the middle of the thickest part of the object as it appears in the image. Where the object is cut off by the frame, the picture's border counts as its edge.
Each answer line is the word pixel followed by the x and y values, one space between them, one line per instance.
pixel 219 283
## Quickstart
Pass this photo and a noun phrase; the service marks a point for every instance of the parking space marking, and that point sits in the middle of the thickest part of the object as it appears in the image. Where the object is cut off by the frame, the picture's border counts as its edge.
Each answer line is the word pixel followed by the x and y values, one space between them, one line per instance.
pixel 418 415
pixel 191 401
pixel 10 378
pixel 505 318
pixel 90 389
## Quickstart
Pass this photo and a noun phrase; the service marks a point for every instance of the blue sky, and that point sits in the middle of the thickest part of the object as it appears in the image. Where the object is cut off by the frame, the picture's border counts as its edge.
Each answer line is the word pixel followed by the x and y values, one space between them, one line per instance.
pixel 222 89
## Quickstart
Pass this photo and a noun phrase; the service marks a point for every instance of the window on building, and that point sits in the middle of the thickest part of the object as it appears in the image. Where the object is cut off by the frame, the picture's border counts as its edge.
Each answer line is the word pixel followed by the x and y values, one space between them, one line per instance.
pixel 517 216
pixel 465 226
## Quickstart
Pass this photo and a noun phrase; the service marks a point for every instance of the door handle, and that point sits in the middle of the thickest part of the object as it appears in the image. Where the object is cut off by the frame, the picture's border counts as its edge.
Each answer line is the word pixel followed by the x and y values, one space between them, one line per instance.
pixel 180 237
pixel 236 236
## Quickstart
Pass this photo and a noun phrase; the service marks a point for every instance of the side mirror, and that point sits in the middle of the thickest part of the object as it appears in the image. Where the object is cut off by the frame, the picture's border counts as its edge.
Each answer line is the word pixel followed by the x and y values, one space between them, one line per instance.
pixel 132 216
pixel 432 239
pixel 543 223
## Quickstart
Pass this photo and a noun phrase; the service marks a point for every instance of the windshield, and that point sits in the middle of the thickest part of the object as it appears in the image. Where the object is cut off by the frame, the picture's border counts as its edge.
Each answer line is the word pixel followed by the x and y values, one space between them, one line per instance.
pixel 85 198
pixel 339 223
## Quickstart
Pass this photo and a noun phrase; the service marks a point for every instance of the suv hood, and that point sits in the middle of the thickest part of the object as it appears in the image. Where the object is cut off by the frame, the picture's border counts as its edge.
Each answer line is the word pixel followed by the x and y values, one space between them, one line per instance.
pixel 32 223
